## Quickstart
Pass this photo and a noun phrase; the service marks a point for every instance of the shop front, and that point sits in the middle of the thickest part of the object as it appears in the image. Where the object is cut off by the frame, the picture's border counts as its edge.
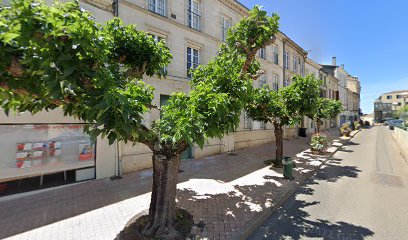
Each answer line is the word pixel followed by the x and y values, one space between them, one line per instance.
pixel 40 155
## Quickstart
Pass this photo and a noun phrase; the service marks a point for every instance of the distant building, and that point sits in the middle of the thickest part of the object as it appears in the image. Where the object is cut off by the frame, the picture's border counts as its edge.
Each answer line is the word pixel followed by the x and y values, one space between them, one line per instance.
pixel 389 103
pixel 382 110
pixel 348 93
pixel 398 99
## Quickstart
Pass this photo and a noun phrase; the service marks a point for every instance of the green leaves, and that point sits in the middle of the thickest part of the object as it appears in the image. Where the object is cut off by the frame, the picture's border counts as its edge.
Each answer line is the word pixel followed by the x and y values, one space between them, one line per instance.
pixel 58 56
pixel 268 105
pixel 288 105
pixel 221 88
pixel 303 95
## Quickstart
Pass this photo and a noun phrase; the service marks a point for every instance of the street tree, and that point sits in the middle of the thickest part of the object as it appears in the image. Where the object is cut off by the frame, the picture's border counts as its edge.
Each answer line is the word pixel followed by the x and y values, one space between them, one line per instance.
pixel 59 57
pixel 325 109
pixel 284 107
pixel 268 105
pixel 304 95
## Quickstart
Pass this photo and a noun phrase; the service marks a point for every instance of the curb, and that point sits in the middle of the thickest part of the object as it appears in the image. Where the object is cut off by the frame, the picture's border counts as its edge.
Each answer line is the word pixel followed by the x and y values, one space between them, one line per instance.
pixel 253 224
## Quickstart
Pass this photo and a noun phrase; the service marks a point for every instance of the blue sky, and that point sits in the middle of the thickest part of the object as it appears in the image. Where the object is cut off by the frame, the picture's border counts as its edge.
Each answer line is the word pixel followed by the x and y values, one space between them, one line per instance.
pixel 369 36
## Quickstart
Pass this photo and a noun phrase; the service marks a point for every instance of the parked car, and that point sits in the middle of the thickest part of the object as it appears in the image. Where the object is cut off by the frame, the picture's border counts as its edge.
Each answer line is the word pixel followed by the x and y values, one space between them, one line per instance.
pixel 385 121
pixel 396 122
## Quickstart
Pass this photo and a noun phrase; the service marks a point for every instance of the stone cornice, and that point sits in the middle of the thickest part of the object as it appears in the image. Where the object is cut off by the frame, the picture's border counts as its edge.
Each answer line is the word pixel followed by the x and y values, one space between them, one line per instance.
pixel 292 43
pixel 313 63
pixel 236 6
pixel 102 4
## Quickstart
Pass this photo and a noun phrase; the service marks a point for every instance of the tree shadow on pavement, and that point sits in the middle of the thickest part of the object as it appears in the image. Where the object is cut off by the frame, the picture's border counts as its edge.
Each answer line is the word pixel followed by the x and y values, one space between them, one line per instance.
pixel 226 213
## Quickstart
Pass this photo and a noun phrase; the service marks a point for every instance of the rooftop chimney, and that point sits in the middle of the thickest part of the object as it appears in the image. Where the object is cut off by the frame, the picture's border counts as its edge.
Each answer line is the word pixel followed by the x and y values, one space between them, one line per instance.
pixel 334 61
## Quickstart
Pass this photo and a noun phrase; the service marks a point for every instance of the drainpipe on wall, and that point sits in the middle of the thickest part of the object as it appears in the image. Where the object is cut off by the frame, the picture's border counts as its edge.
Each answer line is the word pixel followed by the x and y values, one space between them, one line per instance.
pixel 283 76
pixel 115 8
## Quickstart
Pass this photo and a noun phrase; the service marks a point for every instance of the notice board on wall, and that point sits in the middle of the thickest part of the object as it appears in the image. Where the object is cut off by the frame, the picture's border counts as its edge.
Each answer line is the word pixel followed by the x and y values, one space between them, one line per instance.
pixel 40 149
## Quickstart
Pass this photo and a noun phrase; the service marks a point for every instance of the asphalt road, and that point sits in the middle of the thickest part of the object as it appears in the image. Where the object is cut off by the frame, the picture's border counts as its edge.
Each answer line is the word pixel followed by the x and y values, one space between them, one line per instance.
pixel 362 193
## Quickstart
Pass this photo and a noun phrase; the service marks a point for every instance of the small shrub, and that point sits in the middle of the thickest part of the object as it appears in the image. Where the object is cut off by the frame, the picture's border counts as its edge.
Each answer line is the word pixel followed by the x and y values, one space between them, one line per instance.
pixel 319 142
pixel 345 130
pixel 357 125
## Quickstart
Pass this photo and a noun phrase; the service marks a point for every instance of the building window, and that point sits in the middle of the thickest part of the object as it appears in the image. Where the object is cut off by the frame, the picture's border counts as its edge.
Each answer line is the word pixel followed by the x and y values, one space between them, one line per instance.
pixel 157 6
pixel 163 102
pixel 193 14
pixel 262 80
pixel 158 39
pixel 399 96
pixel 275 54
pixel 286 82
pixel 262 53
pixel 389 97
pixel 275 84
pixel 225 25
pixel 247 121
pixel 294 64
pixel 193 60
pixel 286 60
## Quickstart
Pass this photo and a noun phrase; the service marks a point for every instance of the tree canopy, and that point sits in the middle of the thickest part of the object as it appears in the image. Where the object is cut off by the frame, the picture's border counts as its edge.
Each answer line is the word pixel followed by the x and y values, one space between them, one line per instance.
pixel 288 105
pixel 327 109
pixel 270 106
pixel 58 56
pixel 303 93
pixel 220 88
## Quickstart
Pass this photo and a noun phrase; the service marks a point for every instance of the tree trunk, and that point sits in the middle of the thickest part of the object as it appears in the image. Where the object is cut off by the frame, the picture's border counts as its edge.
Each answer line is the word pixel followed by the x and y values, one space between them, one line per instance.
pixel 163 201
pixel 318 123
pixel 279 144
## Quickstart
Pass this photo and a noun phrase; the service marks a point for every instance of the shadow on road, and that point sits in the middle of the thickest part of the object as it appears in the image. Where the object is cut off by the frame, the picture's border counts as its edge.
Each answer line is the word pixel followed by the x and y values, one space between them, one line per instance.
pixel 332 172
pixel 352 143
pixel 345 150
pixel 294 224
pixel 292 221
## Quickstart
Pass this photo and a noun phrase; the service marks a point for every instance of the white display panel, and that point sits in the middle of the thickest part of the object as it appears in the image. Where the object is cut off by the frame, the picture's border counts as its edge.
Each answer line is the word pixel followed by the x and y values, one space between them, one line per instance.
pixel 40 149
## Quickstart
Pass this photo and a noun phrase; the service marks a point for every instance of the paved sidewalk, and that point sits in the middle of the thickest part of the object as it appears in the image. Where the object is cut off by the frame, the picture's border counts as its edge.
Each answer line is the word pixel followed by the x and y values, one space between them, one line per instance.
pixel 225 191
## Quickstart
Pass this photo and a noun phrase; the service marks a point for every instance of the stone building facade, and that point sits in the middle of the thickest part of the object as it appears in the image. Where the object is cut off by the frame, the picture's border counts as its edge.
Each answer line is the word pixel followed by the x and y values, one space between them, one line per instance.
pixel 348 91
pixel 193 31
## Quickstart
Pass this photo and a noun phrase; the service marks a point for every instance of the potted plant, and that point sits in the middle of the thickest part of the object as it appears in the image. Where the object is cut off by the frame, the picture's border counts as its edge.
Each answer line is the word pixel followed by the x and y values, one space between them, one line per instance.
pixel 318 143
pixel 345 130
